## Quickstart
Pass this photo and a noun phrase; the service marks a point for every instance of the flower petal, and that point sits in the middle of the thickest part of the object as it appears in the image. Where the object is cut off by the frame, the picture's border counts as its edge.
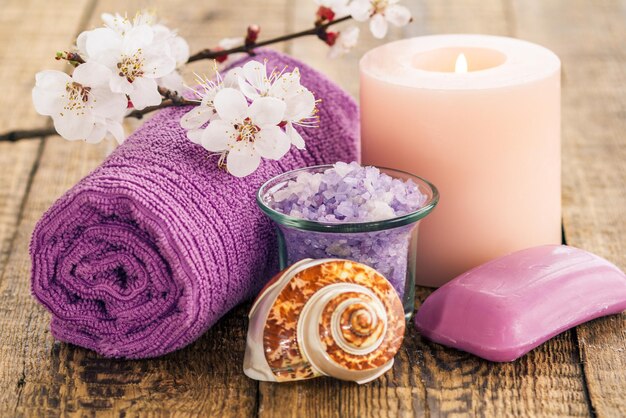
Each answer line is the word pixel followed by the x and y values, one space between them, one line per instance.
pixel 101 40
pixel 97 134
pixel 107 104
pixel 195 136
pixel 137 38
pixel 218 135
pixel 74 126
pixel 231 79
pixel 360 10
pixel 256 74
pixel 52 80
pixel 109 58
pixel 92 74
pixel 172 81
pixel 179 49
pixel 271 142
pixel 231 105
pixel 294 136
pixel 229 43
pixel 247 89
pixel 116 22
pixel 398 15
pixel 267 111
pixel 145 93
pixel 157 64
pixel 119 84
pixel 300 107
pixel 81 44
pixel 350 36
pixel 378 26
pixel 196 117
pixel 49 90
pixel 242 160
pixel 117 130
pixel 287 85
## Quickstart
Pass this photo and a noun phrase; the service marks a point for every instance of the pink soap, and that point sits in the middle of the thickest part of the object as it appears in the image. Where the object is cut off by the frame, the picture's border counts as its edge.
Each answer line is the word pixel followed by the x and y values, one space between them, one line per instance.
pixel 504 308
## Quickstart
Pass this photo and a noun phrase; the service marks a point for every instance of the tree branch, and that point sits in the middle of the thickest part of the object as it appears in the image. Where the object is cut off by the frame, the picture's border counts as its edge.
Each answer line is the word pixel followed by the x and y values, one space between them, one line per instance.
pixel 171 98
pixel 15 136
pixel 318 30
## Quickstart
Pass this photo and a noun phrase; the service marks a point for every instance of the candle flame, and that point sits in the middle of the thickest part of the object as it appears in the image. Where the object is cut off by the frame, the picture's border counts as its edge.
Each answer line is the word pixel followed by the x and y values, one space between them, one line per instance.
pixel 461 64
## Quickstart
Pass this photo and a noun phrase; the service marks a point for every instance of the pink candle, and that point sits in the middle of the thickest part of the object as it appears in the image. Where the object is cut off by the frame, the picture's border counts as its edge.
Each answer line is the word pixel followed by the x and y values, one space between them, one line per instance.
pixel 479 116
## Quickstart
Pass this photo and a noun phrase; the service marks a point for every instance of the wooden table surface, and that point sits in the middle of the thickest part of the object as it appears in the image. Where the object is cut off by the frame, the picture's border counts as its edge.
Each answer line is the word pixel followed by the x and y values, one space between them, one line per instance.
pixel 581 372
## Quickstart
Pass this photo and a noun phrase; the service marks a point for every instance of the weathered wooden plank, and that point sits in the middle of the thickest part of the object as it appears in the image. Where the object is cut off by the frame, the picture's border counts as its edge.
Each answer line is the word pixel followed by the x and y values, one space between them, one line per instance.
pixel 589 37
pixel 40 377
pixel 44 377
pixel 23 51
pixel 428 379
pixel 546 382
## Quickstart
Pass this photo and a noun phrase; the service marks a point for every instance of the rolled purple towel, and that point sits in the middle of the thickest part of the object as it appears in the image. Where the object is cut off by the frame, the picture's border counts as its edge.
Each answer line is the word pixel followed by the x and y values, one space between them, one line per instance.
pixel 148 251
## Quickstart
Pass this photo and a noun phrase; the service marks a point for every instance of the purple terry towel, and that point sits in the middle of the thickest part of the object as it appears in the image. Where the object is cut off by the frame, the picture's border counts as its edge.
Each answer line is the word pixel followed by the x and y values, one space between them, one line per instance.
pixel 148 251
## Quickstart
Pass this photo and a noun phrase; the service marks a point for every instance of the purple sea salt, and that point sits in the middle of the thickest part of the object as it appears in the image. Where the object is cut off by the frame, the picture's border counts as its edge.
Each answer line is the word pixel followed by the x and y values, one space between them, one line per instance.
pixel 350 194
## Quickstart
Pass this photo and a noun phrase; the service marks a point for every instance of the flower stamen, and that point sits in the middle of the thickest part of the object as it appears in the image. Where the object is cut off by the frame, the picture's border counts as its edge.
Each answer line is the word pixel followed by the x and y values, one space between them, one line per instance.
pixel 247 131
pixel 131 67
pixel 77 96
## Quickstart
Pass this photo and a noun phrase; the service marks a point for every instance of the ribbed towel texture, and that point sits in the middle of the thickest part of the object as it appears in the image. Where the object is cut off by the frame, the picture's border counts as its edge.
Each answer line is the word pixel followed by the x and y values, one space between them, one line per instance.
pixel 148 251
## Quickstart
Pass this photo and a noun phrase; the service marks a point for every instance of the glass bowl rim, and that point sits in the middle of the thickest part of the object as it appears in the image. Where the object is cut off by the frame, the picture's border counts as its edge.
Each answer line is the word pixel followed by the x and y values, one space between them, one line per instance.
pixel 347 227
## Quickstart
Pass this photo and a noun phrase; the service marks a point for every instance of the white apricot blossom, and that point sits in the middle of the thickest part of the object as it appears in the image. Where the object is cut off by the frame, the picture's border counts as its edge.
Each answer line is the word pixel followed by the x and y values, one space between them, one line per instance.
pixel 178 46
pixel 245 133
pixel 380 13
pixel 346 40
pixel 286 86
pixel 135 60
pixel 82 106
pixel 205 93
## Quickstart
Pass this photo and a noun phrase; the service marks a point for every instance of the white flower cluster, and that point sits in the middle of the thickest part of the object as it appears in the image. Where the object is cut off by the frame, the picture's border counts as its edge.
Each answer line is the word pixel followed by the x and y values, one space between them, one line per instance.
pixel 133 64
pixel 250 115
pixel 379 13
pixel 125 63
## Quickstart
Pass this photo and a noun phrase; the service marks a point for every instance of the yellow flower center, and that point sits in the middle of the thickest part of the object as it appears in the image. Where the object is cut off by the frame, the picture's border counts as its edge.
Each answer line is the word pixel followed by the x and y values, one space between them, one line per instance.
pixel 247 131
pixel 131 67
pixel 77 96
pixel 379 6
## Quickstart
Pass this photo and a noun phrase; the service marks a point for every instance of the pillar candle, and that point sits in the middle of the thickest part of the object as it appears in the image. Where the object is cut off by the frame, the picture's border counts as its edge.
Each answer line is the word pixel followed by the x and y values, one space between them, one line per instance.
pixel 478 116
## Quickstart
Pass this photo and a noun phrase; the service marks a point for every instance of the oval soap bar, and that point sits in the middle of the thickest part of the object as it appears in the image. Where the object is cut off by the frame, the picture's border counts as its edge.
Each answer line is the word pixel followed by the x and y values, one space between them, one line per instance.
pixel 506 307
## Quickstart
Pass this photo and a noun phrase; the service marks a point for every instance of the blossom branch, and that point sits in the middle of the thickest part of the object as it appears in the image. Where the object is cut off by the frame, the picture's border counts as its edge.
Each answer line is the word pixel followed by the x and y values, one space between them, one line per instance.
pixel 170 99
pixel 97 93
pixel 16 135
pixel 319 30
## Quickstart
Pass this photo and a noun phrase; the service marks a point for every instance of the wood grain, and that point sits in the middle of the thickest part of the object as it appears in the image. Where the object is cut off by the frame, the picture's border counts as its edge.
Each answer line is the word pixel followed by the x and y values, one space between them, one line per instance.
pixel 429 379
pixel 594 163
pixel 23 52
pixel 50 378
pixel 578 373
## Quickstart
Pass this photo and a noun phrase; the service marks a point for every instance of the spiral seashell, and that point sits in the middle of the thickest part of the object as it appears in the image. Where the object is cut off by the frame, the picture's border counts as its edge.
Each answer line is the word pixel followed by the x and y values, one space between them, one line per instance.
pixel 324 317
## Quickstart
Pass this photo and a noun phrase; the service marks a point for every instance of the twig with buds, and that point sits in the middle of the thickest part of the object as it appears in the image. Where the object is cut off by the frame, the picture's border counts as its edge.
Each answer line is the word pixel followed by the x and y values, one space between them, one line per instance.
pixel 129 69
pixel 250 45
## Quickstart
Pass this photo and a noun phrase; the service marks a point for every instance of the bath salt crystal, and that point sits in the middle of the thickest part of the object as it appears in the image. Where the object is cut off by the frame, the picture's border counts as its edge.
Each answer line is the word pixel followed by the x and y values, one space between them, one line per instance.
pixel 347 193
pixel 350 193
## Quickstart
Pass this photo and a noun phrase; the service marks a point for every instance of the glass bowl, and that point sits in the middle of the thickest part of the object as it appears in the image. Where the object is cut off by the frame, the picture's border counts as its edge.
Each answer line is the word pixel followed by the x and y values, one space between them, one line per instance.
pixel 389 245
